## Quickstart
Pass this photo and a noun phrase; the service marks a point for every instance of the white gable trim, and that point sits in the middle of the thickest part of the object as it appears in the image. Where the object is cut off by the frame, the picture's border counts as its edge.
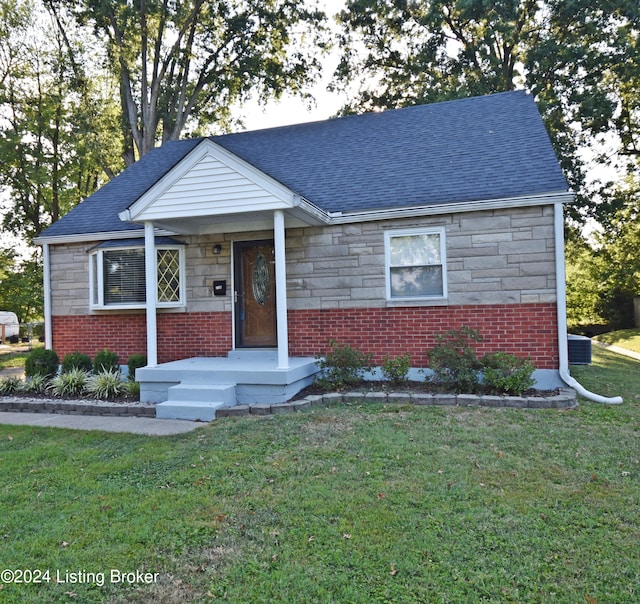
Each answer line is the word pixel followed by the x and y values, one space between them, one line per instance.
pixel 210 181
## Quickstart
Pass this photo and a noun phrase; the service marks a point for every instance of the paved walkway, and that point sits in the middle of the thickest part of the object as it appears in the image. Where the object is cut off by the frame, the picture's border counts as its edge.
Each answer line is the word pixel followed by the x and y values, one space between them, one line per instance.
pixel 617 349
pixel 133 425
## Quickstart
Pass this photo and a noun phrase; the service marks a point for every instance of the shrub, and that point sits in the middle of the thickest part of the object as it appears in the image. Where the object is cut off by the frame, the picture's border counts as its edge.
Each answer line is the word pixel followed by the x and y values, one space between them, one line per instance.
pixel 10 385
pixel 37 384
pixel 396 370
pixel 76 360
pixel 71 383
pixel 135 362
pixel 505 373
pixel 106 360
pixel 106 384
pixel 342 365
pixel 132 389
pixel 41 361
pixel 454 362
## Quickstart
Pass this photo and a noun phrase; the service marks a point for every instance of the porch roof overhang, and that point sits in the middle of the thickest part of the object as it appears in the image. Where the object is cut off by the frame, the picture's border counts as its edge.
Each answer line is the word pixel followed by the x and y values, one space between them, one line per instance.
pixel 212 190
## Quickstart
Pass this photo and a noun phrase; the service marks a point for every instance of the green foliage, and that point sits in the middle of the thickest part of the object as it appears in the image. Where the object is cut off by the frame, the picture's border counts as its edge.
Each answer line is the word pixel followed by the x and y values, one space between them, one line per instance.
pixel 504 373
pixel 342 366
pixel 73 382
pixel 454 362
pixel 37 384
pixel 583 267
pixel 135 362
pixel 397 54
pixel 10 385
pixel 617 270
pixel 76 360
pixel 132 389
pixel 396 370
pixel 105 384
pixel 451 485
pixel 41 361
pixel 106 360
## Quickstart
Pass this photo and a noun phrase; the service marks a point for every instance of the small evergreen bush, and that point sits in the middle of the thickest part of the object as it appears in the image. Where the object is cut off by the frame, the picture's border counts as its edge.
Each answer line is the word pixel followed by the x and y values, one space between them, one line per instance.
pixel 342 366
pixel 41 361
pixel 396 370
pixel 135 362
pixel 106 360
pixel 76 360
pixel 71 383
pixel 105 385
pixel 454 362
pixel 505 373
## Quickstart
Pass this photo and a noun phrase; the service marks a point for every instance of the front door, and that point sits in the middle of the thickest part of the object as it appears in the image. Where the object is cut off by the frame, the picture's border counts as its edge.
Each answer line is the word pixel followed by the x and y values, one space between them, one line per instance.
pixel 255 294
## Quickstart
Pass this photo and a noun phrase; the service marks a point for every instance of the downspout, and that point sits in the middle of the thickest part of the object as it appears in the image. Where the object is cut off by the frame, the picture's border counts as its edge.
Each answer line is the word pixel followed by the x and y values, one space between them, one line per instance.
pixel 563 346
pixel 46 278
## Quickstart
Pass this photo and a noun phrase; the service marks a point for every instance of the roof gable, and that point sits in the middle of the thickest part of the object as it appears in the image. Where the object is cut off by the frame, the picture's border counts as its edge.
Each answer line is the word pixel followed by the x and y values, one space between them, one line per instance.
pixel 210 181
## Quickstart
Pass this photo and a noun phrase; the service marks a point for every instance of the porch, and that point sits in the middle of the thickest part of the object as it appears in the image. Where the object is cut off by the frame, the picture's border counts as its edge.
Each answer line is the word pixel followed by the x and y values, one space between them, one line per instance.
pixel 195 388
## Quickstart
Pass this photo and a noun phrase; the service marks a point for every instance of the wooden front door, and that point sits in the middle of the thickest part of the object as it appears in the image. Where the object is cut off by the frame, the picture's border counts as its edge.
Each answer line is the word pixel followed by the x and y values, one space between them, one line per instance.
pixel 255 294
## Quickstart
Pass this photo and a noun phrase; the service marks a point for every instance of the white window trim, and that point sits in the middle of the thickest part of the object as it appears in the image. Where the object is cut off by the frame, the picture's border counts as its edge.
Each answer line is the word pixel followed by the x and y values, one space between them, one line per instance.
pixel 96 262
pixel 388 235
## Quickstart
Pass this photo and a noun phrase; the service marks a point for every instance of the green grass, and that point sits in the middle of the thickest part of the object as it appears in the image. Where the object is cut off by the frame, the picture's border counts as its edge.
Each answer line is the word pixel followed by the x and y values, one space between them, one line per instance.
pixel 625 338
pixel 357 504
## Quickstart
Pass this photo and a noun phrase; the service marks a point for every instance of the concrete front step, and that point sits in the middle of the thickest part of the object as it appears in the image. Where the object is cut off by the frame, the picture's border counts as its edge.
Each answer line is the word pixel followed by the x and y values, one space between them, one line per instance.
pixel 192 410
pixel 219 393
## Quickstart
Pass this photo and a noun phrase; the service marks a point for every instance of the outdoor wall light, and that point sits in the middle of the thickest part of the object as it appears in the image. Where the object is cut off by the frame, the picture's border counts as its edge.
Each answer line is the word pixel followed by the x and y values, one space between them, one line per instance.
pixel 217 248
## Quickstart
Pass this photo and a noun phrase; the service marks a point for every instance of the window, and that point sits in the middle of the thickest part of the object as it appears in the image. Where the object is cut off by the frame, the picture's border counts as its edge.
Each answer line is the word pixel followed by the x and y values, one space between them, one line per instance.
pixel 117 277
pixel 416 264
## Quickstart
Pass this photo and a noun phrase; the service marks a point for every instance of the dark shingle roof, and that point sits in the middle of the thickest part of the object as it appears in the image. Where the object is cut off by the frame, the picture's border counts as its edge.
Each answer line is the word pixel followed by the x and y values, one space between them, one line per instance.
pixel 479 148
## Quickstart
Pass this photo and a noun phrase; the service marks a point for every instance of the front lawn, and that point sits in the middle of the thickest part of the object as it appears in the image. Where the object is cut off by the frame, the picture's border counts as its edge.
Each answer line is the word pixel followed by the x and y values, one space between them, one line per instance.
pixel 625 338
pixel 364 503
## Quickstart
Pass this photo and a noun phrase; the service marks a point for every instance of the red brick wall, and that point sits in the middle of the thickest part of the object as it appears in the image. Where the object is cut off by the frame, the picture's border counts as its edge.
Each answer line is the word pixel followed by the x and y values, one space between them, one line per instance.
pixel 524 330
pixel 180 335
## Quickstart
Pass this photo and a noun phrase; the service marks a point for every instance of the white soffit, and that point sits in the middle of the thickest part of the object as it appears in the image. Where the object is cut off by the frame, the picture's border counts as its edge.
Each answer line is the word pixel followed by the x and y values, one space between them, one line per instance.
pixel 210 181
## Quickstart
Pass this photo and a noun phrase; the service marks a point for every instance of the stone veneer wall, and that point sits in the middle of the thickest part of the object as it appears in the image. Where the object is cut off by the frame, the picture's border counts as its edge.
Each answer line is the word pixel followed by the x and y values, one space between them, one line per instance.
pixel 500 268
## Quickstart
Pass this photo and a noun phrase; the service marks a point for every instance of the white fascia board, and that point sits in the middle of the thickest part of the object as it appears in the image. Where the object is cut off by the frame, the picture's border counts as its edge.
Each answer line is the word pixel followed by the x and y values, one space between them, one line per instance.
pixel 137 211
pixel 105 236
pixel 451 208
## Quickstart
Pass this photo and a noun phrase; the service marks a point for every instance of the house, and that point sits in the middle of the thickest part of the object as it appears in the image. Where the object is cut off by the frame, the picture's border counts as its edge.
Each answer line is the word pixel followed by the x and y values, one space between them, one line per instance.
pixel 232 260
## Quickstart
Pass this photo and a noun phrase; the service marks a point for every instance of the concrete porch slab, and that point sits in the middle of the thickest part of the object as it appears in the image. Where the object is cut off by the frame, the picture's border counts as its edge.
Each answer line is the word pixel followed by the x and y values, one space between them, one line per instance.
pixel 256 374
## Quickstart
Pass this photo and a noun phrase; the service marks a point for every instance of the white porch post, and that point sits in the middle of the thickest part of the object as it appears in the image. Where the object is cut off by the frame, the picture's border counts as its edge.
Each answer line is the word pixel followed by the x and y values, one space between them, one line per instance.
pixel 281 289
pixel 151 278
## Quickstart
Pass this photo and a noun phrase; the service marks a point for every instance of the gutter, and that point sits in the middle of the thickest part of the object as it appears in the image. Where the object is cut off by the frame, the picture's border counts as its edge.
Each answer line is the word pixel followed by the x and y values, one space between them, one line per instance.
pixel 561 305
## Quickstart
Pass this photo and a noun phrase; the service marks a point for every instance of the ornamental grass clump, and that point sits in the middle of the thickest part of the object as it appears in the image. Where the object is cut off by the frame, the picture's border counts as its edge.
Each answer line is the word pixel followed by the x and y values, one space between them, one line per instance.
pixel 70 383
pixel 105 385
pixel 10 385
pixel 36 384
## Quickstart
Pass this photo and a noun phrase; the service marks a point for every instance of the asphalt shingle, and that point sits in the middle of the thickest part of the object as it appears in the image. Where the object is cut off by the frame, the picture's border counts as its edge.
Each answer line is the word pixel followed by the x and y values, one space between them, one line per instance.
pixel 479 148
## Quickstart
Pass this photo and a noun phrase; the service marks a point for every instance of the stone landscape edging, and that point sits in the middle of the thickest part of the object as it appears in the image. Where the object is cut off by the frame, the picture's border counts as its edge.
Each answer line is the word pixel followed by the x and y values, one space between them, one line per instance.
pixel 565 400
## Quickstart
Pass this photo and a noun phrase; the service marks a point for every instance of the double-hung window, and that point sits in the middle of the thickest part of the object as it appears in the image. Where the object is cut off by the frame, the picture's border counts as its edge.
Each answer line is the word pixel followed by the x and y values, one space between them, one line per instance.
pixel 117 276
pixel 416 266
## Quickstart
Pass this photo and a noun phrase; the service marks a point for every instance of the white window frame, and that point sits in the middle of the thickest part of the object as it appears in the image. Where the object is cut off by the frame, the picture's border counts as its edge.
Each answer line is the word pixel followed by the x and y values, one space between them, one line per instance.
pixel 441 231
pixel 96 279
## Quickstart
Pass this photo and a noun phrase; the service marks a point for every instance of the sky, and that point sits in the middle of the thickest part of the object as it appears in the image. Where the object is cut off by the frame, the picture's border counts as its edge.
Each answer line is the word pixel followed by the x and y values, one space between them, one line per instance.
pixel 294 110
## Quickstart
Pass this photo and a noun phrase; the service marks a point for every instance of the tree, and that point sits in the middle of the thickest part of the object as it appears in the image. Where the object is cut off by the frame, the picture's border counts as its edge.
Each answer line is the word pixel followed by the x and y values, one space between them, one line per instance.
pixel 21 289
pixel 578 58
pixel 619 258
pixel 181 65
pixel 54 144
